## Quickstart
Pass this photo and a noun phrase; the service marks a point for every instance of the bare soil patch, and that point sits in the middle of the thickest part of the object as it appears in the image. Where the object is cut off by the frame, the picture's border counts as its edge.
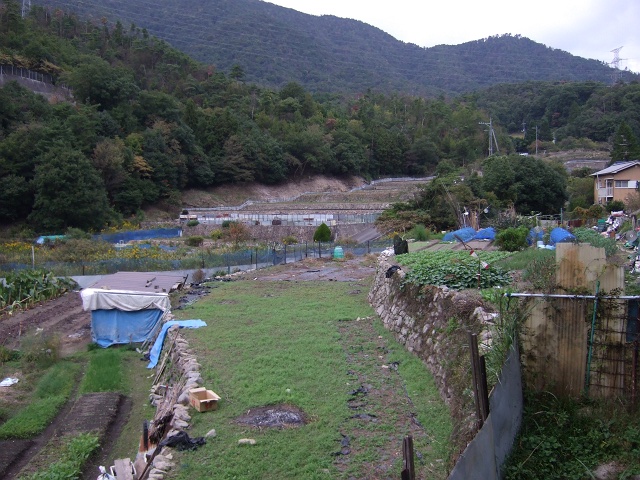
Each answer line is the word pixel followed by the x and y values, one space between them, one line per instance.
pixel 273 416
pixel 62 318
pixel 237 194
pixel 318 269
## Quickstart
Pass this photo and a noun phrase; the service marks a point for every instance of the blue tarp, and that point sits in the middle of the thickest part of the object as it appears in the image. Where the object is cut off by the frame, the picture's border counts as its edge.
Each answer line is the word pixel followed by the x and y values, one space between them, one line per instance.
pixel 139 235
pixel 559 235
pixel 485 234
pixel 465 234
pixel 154 354
pixel 534 236
pixel 109 327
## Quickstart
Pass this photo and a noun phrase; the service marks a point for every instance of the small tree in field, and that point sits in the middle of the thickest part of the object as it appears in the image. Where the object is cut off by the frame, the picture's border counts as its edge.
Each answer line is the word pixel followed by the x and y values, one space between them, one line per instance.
pixel 237 233
pixel 322 233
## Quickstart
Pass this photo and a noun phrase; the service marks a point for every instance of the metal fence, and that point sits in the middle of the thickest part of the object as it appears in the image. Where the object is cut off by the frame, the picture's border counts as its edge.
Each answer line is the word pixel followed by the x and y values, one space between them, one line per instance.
pixel 245 259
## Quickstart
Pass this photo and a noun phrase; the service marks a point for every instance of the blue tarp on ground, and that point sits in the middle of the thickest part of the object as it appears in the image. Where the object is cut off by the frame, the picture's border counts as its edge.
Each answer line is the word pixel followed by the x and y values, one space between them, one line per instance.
pixel 534 236
pixel 485 234
pixel 560 235
pixel 139 235
pixel 154 354
pixel 109 327
pixel 465 234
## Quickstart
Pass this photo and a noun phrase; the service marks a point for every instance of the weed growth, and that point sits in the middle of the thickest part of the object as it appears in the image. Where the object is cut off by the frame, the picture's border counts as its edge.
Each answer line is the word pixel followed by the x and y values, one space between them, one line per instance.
pixel 49 396
pixel 75 453
pixel 568 439
pixel 455 269
pixel 104 372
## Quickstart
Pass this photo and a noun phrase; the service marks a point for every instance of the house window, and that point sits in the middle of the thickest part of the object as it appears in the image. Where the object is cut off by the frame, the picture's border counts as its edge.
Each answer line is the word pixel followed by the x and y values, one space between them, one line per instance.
pixel 622 184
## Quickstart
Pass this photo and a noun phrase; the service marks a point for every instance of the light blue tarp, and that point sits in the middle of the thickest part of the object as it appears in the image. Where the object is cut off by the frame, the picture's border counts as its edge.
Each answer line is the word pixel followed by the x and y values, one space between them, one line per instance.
pixel 485 234
pixel 465 234
pixel 534 236
pixel 109 327
pixel 559 235
pixel 154 354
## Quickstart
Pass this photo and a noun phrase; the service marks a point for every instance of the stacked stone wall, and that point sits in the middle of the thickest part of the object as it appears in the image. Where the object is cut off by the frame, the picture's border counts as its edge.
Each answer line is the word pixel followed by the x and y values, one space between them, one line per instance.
pixel 434 324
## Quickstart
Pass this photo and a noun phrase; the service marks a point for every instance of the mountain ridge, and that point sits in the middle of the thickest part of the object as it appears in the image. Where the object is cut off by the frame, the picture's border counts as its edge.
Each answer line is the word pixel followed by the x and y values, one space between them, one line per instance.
pixel 275 45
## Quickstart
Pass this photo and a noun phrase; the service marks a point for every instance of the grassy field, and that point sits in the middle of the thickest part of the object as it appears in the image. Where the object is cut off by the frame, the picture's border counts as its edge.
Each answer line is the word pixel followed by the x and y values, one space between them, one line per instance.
pixel 315 346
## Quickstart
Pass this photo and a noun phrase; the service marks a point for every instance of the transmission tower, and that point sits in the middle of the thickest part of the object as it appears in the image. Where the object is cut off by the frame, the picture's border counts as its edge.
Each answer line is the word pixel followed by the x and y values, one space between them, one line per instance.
pixel 492 136
pixel 26 7
pixel 617 75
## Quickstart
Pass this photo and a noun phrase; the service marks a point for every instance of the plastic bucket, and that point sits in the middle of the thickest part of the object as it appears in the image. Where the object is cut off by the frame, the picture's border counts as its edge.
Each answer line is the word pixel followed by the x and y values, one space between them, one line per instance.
pixel 338 252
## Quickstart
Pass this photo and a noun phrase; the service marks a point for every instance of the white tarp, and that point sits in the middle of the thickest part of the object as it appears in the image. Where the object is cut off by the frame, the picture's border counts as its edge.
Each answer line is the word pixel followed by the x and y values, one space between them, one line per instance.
pixel 127 301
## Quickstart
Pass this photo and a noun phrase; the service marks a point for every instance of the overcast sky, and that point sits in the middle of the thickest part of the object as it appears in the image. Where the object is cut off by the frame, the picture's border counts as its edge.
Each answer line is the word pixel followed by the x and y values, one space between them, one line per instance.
pixel 586 28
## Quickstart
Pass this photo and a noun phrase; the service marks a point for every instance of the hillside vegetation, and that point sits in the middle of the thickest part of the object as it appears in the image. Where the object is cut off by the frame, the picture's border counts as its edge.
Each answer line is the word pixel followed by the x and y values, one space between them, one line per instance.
pixel 274 46
pixel 148 123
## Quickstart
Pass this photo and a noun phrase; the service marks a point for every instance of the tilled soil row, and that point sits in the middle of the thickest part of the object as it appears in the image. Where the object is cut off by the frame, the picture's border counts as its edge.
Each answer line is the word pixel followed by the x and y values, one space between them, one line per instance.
pixel 95 412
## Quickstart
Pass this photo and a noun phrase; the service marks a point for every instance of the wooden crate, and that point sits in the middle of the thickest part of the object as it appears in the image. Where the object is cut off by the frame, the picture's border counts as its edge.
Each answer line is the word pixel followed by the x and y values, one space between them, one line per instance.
pixel 203 400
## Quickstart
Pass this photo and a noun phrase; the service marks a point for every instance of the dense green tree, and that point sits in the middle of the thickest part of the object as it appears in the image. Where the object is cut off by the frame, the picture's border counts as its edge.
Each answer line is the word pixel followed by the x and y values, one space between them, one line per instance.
pixel 580 192
pixel 68 193
pixel 16 198
pixel 531 184
pixel 96 82
pixel 625 144
pixel 322 233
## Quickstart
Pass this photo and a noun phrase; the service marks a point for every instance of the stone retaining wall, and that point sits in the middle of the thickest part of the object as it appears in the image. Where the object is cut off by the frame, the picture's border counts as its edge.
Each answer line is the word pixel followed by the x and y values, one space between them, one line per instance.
pixel 434 323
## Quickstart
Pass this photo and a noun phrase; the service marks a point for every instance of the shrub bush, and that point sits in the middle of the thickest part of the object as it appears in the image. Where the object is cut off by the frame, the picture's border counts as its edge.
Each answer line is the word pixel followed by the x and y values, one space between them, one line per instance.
pixel 194 241
pixel 418 233
pixel 512 239
pixel 289 240
pixel 192 223
pixel 322 233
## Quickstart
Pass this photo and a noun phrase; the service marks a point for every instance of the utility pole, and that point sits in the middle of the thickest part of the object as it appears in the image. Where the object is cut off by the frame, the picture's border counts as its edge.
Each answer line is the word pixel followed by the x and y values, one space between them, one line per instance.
pixel 492 136
pixel 536 140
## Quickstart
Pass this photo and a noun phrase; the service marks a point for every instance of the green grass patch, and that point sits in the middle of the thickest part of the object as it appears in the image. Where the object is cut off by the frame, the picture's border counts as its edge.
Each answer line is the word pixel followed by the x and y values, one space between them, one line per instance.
pixel 104 372
pixel 32 419
pixel 49 395
pixel 270 343
pixel 137 383
pixel 74 454
pixel 524 258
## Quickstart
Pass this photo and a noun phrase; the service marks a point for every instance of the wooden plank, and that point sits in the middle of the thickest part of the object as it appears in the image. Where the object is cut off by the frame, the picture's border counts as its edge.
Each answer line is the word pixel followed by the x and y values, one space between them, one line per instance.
pixel 122 469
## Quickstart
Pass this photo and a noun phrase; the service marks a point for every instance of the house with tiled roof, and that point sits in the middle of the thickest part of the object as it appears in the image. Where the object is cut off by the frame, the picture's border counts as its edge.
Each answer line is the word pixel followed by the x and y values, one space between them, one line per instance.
pixel 616 182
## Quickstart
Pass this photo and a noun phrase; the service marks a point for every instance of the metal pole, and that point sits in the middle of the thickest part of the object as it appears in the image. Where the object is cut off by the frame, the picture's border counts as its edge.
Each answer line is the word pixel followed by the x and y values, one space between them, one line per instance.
pixel 587 377
pixel 634 375
pixel 475 370
pixel 588 297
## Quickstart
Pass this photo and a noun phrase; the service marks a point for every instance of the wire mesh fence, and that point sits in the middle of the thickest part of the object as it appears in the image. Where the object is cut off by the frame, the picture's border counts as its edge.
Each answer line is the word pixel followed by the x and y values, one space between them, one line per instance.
pixel 227 262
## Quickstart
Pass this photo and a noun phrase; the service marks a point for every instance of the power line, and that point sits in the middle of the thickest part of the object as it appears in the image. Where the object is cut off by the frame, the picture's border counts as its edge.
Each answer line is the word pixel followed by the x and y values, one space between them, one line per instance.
pixel 616 76
pixel 26 7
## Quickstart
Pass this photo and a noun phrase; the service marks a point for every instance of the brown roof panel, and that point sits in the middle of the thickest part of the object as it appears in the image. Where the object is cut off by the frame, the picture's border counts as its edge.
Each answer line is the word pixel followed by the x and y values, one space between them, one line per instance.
pixel 141 282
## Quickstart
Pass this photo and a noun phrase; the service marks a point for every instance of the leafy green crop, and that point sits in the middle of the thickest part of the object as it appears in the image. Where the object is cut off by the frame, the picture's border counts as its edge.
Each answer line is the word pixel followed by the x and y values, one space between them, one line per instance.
pixel 457 270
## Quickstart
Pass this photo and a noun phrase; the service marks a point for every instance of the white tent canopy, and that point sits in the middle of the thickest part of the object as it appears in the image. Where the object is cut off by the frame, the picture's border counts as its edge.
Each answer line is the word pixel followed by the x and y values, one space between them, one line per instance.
pixel 124 300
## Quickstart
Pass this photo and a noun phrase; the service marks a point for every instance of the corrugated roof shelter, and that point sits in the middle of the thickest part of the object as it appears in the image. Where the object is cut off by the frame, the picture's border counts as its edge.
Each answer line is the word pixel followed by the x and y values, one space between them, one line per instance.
pixel 141 282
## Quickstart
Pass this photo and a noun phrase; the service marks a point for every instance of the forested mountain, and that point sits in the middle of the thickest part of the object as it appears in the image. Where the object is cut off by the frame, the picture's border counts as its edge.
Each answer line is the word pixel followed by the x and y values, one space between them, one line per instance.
pixel 274 45
pixel 147 122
